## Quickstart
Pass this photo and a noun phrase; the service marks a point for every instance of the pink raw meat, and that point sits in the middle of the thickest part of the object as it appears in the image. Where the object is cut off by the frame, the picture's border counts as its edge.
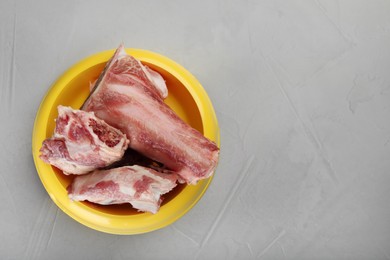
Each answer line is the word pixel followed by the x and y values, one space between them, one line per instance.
pixel 129 96
pixel 82 142
pixel 140 186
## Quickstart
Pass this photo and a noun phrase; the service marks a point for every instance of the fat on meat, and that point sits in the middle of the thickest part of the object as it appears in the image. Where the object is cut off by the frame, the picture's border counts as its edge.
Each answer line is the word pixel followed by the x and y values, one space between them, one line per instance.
pixel 140 186
pixel 130 97
pixel 82 142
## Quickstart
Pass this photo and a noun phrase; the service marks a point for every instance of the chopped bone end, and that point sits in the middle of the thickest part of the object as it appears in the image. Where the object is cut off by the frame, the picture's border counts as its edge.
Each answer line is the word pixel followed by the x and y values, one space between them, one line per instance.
pixel 140 186
pixel 130 97
pixel 82 142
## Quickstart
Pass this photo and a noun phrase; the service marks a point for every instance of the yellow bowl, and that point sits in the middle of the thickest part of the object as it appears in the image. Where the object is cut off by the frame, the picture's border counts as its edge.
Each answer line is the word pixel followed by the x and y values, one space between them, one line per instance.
pixel 186 97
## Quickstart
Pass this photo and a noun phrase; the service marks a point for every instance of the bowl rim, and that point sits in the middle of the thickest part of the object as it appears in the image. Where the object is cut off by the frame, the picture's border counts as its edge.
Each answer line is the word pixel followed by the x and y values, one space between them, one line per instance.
pixel 122 224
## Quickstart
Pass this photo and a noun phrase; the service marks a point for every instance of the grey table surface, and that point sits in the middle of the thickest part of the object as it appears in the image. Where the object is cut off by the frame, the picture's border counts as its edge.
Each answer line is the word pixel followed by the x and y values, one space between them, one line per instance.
pixel 301 90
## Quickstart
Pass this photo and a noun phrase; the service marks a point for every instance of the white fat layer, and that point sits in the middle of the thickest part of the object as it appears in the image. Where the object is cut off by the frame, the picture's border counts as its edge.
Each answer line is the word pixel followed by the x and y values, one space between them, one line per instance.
pixel 121 52
pixel 146 206
pixel 156 79
pixel 70 167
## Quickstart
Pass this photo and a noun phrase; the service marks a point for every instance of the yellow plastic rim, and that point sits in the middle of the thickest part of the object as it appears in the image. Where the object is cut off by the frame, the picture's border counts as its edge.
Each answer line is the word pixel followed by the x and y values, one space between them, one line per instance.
pixel 186 97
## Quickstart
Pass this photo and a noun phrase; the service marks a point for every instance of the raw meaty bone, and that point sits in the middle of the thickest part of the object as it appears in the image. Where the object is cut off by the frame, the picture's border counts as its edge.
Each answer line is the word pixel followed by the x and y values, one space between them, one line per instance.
pixel 140 186
pixel 82 142
pixel 129 96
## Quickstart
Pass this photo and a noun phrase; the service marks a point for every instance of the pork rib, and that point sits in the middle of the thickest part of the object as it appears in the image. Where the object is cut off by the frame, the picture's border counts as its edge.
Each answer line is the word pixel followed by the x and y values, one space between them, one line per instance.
pixel 127 97
pixel 82 142
pixel 140 186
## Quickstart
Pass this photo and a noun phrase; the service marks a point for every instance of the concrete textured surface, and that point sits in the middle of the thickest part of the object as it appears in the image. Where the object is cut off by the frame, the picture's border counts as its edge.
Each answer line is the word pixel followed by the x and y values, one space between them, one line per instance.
pixel 302 94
